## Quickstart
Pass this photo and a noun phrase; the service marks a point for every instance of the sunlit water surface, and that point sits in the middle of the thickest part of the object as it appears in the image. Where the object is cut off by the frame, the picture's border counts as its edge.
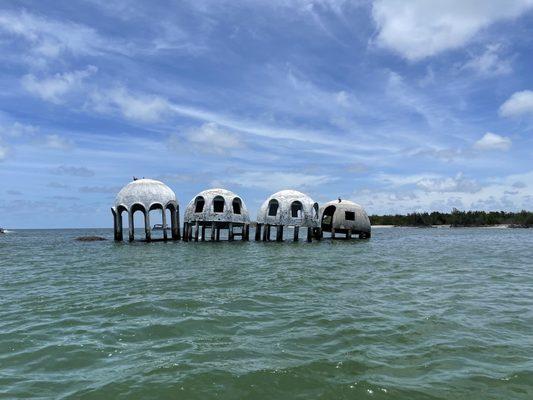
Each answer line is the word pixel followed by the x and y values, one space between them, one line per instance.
pixel 409 314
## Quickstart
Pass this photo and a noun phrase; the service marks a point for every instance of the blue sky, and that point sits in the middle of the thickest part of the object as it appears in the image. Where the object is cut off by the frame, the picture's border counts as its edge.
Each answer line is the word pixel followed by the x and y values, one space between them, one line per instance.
pixel 399 106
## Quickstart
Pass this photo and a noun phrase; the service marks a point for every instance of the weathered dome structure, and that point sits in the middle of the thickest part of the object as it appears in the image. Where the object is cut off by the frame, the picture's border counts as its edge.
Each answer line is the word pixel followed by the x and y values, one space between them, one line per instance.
pixel 145 195
pixel 287 208
pixel 344 217
pixel 216 209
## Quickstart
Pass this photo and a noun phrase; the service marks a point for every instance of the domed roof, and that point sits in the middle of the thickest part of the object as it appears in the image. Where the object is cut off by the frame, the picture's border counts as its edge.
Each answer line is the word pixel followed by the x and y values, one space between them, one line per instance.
pixel 293 208
pixel 146 192
pixel 342 204
pixel 202 207
pixel 345 215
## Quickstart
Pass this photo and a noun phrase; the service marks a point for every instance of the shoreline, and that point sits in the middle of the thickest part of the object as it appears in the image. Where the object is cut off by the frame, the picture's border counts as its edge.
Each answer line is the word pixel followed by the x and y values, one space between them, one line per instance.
pixel 498 226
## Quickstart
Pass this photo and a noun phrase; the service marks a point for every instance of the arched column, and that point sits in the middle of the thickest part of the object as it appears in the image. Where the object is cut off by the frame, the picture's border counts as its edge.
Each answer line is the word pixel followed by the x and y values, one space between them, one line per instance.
pixel 147 226
pixel 117 227
pixel 164 221
pixel 176 235
pixel 131 226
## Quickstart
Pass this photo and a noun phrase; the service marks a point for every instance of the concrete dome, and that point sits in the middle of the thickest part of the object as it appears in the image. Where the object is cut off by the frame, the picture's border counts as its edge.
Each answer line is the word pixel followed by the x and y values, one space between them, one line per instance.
pixel 217 205
pixel 289 207
pixel 145 192
pixel 343 216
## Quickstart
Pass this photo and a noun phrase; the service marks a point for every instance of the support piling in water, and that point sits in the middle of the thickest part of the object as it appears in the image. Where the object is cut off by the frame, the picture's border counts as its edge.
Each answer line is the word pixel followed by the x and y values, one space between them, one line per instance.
pixel 279 233
pixel 185 231
pixel 230 232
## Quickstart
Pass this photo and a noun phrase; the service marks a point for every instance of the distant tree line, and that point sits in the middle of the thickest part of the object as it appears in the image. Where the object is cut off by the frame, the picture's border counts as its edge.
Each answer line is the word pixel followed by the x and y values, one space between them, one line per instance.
pixel 522 219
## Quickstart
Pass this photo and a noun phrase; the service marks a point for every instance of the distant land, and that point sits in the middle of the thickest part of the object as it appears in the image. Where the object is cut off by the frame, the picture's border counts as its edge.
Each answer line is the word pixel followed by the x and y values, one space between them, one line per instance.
pixel 522 219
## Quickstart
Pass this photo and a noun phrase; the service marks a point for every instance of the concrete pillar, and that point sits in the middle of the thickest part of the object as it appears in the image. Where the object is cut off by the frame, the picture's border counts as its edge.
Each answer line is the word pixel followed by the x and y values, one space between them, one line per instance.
pixel 176 217
pixel 296 233
pixel 230 231
pixel 203 233
pixel 258 232
pixel 246 232
pixel 164 221
pixel 189 232
pixel 117 227
pixel 213 229
pixel 265 233
pixel 279 233
pixel 218 234
pixel 196 231
pixel 131 226
pixel 147 226
pixel 309 234
pixel 349 234
pixel 185 231
pixel 333 233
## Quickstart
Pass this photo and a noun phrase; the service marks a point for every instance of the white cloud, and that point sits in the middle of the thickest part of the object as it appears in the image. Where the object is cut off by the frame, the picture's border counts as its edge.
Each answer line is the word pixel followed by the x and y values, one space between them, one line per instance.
pixel 210 138
pixel 55 87
pixel 420 28
pixel 520 103
pixel 153 108
pixel 48 38
pixel 490 62
pixel 430 182
pixel 17 129
pixel 57 142
pixel 274 181
pixel 144 108
pixel 457 184
pixel 3 152
pixel 83 172
pixel 492 141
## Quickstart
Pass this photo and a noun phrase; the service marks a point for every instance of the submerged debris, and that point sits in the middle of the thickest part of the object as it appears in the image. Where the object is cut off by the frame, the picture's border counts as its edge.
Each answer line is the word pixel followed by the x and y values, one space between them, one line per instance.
pixel 90 238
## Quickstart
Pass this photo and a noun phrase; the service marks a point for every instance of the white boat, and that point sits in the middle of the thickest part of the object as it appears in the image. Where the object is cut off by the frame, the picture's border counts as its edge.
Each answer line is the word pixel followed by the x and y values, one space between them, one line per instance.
pixel 159 227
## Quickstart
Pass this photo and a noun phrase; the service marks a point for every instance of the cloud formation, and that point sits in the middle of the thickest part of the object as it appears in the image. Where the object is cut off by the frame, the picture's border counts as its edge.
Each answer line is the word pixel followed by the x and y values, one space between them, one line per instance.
pixel 134 106
pixel 491 62
pixel 457 184
pixel 209 138
pixel 53 88
pixel 419 28
pixel 492 141
pixel 82 172
pixel 277 180
pixel 520 103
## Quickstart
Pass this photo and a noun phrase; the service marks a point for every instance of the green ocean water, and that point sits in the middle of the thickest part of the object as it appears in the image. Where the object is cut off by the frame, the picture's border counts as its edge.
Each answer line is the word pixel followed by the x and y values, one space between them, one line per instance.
pixel 408 314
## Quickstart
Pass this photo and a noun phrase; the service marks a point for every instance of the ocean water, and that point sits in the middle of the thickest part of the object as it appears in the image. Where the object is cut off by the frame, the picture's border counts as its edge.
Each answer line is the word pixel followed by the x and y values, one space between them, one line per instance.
pixel 409 314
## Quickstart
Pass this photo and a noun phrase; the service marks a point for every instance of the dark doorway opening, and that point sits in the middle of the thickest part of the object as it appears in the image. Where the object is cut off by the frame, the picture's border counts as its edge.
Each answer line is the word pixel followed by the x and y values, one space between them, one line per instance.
pixel 327 217
pixel 199 204
pixel 296 209
pixel 273 206
pixel 218 204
